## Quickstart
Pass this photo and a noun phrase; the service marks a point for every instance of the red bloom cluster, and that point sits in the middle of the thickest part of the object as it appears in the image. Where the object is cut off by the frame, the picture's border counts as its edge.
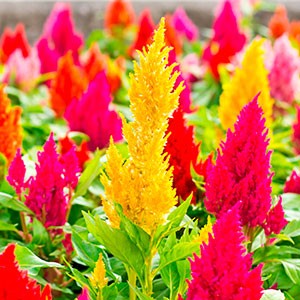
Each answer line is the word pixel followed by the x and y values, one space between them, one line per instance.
pixel 242 170
pixel 15 284
pixel 223 269
pixel 226 42
pixel 47 196
pixel 292 185
pixel 92 114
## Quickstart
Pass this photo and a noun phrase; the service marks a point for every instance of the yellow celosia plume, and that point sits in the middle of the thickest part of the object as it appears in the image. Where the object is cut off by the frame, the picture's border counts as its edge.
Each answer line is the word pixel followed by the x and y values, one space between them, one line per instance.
pixel 142 184
pixel 247 81
pixel 10 127
pixel 98 278
pixel 204 233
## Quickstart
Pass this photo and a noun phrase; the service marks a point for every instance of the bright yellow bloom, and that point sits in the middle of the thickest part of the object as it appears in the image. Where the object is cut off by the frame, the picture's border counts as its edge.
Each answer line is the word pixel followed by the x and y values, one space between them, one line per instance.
pixel 143 184
pixel 10 127
pixel 247 81
pixel 98 278
pixel 204 233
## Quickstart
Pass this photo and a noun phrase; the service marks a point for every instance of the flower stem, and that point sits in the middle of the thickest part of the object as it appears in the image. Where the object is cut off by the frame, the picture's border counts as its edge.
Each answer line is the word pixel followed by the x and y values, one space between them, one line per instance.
pixel 24 227
pixel 132 284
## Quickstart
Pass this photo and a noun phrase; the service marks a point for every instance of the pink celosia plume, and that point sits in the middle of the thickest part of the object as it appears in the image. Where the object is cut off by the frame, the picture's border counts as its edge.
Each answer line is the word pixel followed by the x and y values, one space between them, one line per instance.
pixel 223 269
pixel 292 185
pixel 93 115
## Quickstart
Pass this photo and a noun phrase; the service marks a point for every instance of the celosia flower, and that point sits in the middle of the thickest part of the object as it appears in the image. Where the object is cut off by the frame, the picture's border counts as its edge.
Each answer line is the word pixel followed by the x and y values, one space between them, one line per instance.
pixel 98 278
pixel 292 185
pixel 23 71
pixel 146 27
pixel 16 173
pixel 224 269
pixel 15 283
pixel 296 132
pixel 275 220
pixel 183 153
pixel 227 40
pixel 246 82
pixel 294 31
pixel 49 190
pixel 84 295
pixel 284 74
pixel 59 36
pixel 137 183
pixel 279 23
pixel 184 25
pixel 81 151
pixel 118 14
pixel 13 40
pixel 171 36
pixel 242 170
pixel 204 233
pixel 69 83
pixel 93 116
pixel 10 127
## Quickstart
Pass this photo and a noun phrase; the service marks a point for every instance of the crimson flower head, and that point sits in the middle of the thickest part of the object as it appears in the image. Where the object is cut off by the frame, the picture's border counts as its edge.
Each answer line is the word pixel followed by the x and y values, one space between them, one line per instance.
pixel 226 41
pixel 15 284
pixel 13 40
pixel 49 189
pixel 292 185
pixel 59 36
pixel 146 28
pixel 223 269
pixel 183 154
pixel 92 114
pixel 184 25
pixel 242 170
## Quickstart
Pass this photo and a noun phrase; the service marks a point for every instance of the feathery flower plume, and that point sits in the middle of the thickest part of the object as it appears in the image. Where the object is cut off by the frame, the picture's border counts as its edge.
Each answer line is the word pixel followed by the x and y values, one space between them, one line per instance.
pixel 246 82
pixel 226 41
pixel 142 184
pixel 118 14
pixel 10 127
pixel 49 190
pixel 13 40
pixel 223 269
pixel 296 133
pixel 93 116
pixel 184 25
pixel 59 36
pixel 69 83
pixel 171 36
pixel 98 278
pixel 15 283
pixel 279 23
pixel 284 74
pixel 204 233
pixel 242 170
pixel 146 27
pixel 292 185
pixel 84 295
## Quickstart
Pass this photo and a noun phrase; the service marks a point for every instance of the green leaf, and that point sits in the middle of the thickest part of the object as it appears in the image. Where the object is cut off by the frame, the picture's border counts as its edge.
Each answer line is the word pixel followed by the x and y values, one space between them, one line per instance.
pixel 292 229
pixel 89 174
pixel 290 203
pixel 272 295
pixel 40 234
pixel 7 227
pixel 117 242
pixel 14 204
pixel 28 260
pixel 292 269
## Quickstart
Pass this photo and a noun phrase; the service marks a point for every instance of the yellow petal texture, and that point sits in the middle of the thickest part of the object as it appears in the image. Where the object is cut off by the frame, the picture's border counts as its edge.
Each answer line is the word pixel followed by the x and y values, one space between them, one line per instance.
pixel 143 184
pixel 204 233
pixel 98 278
pixel 246 82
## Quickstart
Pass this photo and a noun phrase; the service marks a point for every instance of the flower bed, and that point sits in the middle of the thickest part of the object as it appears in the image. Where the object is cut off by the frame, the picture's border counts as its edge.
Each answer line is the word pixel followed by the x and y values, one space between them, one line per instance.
pixel 151 161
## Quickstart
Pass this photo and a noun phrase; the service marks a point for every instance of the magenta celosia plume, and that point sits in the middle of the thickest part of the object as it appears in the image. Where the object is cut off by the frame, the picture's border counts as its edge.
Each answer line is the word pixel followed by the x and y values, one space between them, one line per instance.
pixel 15 284
pixel 184 25
pixel 92 114
pixel 227 40
pixel 242 170
pixel 223 269
pixel 59 36
pixel 292 184
pixel 285 70
pixel 48 190
pixel 296 133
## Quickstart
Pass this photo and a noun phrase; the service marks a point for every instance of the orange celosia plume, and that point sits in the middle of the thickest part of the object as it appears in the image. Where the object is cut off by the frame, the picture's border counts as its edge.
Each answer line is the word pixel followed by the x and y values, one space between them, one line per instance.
pixel 67 84
pixel 10 127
